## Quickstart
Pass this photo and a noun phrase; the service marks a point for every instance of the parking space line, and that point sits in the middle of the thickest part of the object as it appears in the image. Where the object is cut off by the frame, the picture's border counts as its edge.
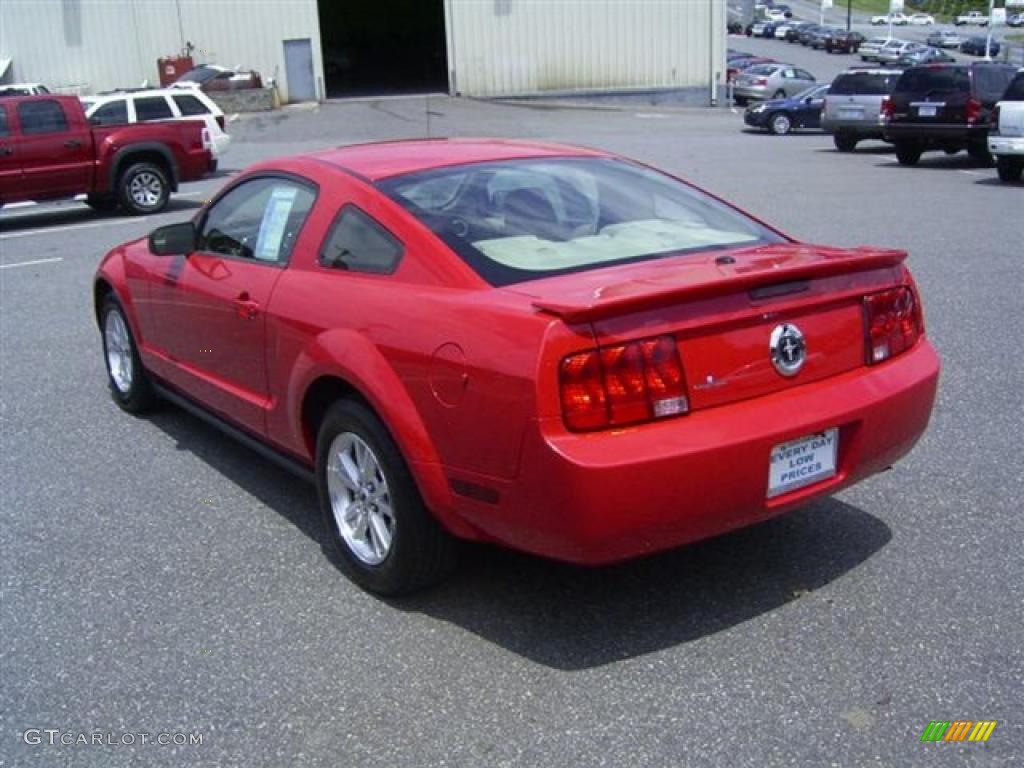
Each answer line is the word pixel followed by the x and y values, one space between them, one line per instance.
pixel 68 227
pixel 31 263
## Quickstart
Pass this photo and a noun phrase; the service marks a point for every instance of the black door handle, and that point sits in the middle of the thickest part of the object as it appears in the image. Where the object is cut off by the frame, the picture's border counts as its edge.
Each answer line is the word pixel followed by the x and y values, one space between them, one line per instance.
pixel 72 143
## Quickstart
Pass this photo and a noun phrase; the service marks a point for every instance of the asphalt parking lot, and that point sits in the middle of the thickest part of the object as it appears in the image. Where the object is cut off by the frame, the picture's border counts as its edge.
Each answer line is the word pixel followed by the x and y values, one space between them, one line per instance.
pixel 159 578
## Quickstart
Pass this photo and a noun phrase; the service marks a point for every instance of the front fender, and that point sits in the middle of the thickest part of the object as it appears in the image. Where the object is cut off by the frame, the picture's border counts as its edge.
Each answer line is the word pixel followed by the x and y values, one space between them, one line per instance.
pixel 111 273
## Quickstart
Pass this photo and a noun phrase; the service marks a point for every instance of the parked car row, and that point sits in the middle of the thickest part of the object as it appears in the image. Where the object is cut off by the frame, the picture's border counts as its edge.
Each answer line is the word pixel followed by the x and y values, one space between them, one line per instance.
pixel 902 20
pixel 49 150
pixel 949 107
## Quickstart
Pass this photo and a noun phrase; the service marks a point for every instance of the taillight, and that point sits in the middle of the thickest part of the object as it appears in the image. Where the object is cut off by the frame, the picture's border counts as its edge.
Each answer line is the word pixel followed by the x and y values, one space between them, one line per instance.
pixel 624 384
pixel 893 323
pixel 221 123
pixel 973 110
pixel 761 81
pixel 994 120
pixel 888 108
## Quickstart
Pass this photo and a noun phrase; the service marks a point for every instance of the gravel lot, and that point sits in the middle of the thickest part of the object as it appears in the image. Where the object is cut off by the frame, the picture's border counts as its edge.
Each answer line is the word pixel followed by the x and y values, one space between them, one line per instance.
pixel 159 578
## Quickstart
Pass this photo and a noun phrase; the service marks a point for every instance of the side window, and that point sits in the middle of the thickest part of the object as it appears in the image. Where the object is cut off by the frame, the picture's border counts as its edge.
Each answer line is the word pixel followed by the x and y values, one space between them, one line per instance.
pixel 42 117
pixel 804 74
pixel 359 243
pixel 190 105
pixel 152 108
pixel 259 219
pixel 788 73
pixel 4 130
pixel 114 113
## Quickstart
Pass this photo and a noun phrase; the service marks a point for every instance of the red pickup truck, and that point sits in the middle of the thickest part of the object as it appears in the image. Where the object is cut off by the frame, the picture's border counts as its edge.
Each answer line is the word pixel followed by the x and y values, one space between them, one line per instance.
pixel 48 150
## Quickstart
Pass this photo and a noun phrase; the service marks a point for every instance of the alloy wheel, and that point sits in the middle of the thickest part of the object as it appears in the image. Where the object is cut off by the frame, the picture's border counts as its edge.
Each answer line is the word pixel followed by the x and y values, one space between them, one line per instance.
pixel 119 351
pixel 360 499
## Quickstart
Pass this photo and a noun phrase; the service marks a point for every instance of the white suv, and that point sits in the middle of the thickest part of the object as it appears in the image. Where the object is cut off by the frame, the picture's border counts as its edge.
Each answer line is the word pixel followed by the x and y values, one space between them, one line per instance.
pixel 1006 138
pixel 119 107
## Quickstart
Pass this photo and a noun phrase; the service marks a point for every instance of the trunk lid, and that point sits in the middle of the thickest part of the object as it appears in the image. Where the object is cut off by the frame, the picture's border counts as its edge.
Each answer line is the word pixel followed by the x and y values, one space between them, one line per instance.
pixel 722 307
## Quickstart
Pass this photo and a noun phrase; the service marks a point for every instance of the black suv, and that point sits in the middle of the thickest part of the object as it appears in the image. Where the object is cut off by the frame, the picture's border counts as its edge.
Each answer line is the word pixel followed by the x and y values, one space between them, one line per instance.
pixel 945 107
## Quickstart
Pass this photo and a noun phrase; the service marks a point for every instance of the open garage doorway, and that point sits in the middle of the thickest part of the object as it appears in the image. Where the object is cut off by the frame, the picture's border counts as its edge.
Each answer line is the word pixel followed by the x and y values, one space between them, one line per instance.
pixel 375 47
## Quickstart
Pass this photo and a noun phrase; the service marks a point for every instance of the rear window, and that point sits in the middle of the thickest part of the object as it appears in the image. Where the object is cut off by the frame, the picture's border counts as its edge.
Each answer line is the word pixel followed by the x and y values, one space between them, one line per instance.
pixel 934 80
pixel 152 108
pixel 360 244
pixel 761 69
pixel 864 84
pixel 521 220
pixel 190 105
pixel 1016 90
pixel 41 117
pixel 990 82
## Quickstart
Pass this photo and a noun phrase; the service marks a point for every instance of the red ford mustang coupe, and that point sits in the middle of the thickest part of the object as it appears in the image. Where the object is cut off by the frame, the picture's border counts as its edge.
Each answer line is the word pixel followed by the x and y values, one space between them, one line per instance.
pixel 552 348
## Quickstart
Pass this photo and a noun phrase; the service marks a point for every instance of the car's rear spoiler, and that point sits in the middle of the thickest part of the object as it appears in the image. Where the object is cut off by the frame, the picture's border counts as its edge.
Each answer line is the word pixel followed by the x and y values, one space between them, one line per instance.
pixel 744 275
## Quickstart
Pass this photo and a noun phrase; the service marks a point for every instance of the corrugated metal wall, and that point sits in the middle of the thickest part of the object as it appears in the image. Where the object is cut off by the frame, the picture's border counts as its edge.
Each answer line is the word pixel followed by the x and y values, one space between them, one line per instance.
pixel 92 45
pixel 508 47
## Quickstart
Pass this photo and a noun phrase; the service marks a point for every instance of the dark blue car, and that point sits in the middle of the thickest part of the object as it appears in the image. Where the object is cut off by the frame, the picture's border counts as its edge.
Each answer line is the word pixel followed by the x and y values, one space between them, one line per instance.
pixel 780 116
pixel 976 46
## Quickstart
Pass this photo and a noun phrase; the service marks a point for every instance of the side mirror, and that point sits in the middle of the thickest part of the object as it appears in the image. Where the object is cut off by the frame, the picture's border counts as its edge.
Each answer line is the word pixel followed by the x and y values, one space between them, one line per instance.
pixel 173 240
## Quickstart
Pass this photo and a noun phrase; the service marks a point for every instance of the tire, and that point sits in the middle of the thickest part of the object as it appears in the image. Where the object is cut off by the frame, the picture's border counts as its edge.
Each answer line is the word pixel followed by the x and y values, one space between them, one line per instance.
pixel 979 153
pixel 907 153
pixel 780 123
pixel 102 203
pixel 129 386
pixel 143 189
pixel 386 554
pixel 779 94
pixel 740 101
pixel 1009 169
pixel 845 142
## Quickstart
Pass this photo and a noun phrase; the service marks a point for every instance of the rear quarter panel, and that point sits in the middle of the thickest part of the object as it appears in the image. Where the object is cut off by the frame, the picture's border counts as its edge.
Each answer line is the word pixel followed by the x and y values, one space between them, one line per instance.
pixel 449 364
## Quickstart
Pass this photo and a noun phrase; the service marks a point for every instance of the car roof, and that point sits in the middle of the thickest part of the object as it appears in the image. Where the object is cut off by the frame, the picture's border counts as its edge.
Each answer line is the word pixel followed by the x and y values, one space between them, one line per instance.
pixel 133 93
pixel 380 160
pixel 871 71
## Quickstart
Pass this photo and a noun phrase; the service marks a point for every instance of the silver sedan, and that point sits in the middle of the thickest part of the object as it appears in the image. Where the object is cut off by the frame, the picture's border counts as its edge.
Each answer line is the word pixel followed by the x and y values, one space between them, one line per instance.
pixel 771 81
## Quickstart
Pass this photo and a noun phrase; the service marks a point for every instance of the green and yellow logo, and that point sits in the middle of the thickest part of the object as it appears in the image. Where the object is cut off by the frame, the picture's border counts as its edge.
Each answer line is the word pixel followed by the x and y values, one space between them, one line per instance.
pixel 958 730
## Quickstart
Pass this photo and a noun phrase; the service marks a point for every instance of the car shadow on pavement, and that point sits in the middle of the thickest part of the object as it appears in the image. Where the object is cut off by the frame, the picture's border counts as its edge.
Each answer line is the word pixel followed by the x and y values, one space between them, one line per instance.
pixel 878 149
pixel 569 617
pixel 67 214
pixel 572 618
pixel 938 161
pixel 276 488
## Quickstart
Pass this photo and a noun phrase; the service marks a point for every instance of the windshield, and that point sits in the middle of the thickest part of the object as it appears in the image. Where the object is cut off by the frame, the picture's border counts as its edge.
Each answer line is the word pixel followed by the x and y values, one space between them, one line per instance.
pixel 520 220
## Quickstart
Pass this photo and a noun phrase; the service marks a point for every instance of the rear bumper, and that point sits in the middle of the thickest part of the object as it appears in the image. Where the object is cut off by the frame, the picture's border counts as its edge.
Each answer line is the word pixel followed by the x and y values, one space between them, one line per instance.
pixel 865 129
pixel 1006 145
pixel 937 134
pixel 604 497
pixel 751 92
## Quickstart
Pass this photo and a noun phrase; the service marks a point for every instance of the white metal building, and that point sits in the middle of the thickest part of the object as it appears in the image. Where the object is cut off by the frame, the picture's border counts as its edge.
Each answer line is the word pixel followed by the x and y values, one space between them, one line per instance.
pixel 318 48
pixel 508 47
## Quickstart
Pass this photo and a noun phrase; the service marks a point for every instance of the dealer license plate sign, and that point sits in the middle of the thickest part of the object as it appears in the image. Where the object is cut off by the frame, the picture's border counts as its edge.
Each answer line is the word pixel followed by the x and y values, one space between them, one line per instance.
pixel 802 462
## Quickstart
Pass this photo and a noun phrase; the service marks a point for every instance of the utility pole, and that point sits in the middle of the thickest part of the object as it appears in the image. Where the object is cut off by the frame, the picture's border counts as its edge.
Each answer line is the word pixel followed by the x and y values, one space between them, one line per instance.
pixel 849 13
pixel 988 35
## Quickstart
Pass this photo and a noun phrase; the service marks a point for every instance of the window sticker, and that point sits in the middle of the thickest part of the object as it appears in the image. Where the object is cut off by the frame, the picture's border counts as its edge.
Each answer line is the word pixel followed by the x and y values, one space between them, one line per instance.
pixel 275 218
